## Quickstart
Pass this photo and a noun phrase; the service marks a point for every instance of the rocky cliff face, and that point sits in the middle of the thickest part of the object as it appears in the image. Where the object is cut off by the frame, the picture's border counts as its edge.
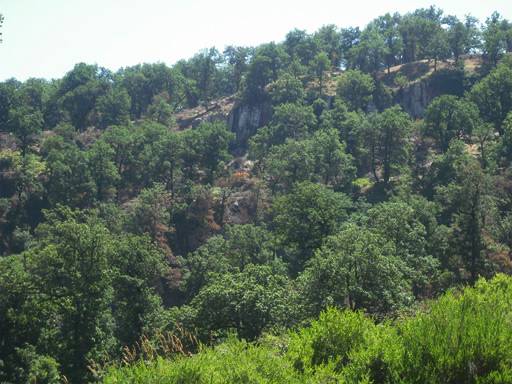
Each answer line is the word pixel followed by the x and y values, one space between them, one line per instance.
pixel 244 121
pixel 416 96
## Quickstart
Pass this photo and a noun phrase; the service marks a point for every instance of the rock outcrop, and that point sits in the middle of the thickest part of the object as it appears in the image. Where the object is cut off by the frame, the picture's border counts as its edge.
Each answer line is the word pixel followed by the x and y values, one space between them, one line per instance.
pixel 217 110
pixel 415 98
pixel 417 95
pixel 244 120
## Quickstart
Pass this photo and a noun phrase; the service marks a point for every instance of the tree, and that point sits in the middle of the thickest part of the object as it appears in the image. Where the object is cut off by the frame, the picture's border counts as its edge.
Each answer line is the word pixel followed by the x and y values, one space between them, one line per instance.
pixel 416 31
pixel 505 145
pixel 213 145
pixel 123 141
pixel 462 36
pixel 31 366
pixel 143 82
pixel 204 66
pixel 249 244
pixel 78 295
pixel 150 212
pixel 204 263
pixel 470 219
pixel 26 123
pixel 411 231
pixel 293 40
pixel 237 57
pixel 249 302
pixel 71 271
pixel 69 177
pixel 483 134
pixel 494 42
pixel 160 110
pixel 449 117
pixel 239 247
pixel 79 91
pixel 319 65
pixel 289 121
pixel 456 37
pixel 466 200
pixel 357 269
pixel 8 102
pixel 100 158
pixel 301 46
pixel 277 56
pixel 113 108
pixel 356 89
pixel 349 38
pixel 332 165
pixel 137 152
pixel 24 318
pixel 319 106
pixel 167 161
pixel 388 27
pixel 259 74
pixel 370 53
pixel 286 89
pixel 331 340
pixel 438 48
pixel 329 41
pixel 493 95
pixel 304 217
pixel 506 27
pixel 288 163
pixel 35 94
pixel 27 174
pixel 443 168
pixel 387 139
pixel 138 264
pixel 350 126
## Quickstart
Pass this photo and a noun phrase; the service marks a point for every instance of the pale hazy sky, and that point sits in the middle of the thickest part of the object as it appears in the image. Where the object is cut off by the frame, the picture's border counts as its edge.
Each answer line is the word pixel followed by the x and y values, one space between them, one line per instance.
pixel 45 38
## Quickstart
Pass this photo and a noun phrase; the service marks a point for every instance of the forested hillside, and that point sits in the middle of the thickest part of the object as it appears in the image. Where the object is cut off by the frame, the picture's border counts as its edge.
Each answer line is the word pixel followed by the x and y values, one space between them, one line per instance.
pixel 335 207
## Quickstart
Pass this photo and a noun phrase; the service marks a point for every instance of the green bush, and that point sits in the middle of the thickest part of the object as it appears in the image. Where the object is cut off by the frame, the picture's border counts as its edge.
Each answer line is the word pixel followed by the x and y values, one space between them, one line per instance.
pixel 464 337
pixel 231 362
pixel 330 339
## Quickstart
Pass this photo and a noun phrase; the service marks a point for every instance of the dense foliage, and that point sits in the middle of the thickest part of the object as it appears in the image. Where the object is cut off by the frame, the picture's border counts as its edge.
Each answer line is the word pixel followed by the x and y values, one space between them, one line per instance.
pixel 464 337
pixel 240 194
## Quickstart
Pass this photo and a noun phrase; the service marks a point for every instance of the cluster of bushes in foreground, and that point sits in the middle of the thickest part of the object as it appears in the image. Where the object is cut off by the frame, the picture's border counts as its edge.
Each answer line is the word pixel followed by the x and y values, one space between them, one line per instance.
pixel 463 337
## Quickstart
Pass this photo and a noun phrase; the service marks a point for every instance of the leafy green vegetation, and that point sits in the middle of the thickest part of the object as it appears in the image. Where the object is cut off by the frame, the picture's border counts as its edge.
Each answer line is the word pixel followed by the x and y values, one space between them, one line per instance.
pixel 334 207
pixel 464 337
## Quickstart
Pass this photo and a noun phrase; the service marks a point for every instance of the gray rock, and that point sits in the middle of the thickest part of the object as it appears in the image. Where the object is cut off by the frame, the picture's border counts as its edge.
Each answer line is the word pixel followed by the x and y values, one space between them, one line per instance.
pixel 244 121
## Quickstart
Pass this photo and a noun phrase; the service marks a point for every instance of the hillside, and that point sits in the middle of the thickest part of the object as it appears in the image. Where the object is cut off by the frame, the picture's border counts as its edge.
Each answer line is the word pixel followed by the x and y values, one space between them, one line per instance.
pixel 334 207
pixel 401 79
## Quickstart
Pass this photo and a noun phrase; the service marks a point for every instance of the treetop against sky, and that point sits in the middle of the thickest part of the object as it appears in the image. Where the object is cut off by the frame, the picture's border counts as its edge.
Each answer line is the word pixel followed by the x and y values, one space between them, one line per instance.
pixel 45 39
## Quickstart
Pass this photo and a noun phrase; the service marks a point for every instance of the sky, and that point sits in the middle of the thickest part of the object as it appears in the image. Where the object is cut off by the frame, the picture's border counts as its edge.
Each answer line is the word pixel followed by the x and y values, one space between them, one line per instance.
pixel 46 38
